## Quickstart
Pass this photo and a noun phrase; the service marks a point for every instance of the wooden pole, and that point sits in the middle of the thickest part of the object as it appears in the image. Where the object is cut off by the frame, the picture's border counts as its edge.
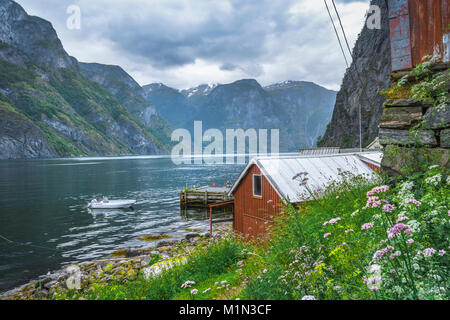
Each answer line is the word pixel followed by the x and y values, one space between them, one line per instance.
pixel 210 221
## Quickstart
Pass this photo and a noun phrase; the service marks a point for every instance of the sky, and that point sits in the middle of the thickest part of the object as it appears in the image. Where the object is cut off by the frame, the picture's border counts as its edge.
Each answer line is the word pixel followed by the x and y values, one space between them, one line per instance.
pixel 185 43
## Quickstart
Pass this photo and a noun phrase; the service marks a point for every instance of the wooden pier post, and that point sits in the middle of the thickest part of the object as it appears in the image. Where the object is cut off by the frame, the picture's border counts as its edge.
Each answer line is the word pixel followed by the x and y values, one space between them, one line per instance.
pixel 210 222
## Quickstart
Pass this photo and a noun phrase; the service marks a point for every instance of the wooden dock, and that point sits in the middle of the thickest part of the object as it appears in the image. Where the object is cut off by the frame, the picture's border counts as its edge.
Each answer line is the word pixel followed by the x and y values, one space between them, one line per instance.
pixel 204 196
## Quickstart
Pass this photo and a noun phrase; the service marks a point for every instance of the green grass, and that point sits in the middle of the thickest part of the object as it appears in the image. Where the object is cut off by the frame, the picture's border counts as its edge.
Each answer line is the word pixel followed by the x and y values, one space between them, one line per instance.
pixel 325 249
pixel 303 262
pixel 206 263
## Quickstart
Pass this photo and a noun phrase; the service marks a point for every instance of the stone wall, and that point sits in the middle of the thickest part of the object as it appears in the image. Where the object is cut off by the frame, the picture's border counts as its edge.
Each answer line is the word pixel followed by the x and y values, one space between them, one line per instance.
pixel 414 133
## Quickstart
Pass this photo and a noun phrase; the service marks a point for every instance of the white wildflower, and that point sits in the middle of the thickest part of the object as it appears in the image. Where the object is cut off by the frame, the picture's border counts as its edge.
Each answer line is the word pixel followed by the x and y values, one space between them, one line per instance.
pixel 434 180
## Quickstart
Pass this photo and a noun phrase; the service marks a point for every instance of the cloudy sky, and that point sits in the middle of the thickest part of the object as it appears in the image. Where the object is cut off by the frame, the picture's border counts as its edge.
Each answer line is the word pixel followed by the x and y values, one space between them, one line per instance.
pixel 184 43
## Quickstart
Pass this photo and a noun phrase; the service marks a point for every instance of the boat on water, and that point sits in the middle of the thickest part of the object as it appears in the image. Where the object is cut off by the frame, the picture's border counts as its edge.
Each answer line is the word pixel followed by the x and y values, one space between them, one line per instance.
pixel 111 204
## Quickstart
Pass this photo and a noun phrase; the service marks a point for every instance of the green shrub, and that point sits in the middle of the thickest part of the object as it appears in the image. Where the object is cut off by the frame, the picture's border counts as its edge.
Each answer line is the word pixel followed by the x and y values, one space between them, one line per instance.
pixel 361 242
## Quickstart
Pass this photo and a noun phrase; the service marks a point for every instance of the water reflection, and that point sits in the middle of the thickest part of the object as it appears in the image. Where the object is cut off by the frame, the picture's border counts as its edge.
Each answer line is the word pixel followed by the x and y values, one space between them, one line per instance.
pixel 44 203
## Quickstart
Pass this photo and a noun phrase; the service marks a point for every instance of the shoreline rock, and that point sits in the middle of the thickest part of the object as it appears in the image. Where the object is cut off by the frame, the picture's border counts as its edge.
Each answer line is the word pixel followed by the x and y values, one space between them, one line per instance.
pixel 81 276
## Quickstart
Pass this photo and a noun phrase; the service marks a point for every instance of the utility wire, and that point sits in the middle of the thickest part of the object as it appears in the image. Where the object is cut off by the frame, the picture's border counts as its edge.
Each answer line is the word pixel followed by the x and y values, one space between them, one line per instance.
pixel 342 27
pixel 357 73
pixel 337 35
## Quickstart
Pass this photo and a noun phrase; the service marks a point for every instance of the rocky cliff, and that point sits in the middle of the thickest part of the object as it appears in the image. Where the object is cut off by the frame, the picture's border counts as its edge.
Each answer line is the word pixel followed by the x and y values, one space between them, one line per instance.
pixel 299 109
pixel 52 105
pixel 368 74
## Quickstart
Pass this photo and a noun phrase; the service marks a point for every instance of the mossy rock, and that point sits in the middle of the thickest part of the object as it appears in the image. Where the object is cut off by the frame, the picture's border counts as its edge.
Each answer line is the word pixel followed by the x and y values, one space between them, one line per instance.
pixel 400 118
pixel 437 118
pixel 192 230
pixel 120 253
pixel 404 161
pixel 407 137
pixel 153 237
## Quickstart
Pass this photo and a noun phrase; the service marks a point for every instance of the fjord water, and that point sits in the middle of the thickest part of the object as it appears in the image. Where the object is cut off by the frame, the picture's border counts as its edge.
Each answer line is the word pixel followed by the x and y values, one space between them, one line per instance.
pixel 43 209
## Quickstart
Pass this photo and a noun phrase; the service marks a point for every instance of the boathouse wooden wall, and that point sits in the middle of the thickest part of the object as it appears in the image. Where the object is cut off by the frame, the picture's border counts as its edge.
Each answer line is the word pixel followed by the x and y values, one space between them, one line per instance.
pixel 418 28
pixel 372 166
pixel 252 215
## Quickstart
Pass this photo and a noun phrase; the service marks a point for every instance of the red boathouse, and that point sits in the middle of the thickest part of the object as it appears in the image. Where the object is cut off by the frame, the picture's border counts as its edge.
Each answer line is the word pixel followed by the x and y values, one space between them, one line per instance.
pixel 265 182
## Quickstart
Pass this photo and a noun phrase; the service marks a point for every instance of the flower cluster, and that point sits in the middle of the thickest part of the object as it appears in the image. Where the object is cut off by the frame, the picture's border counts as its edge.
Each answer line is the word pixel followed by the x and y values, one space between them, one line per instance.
pixel 374 281
pixel 417 203
pixel 367 226
pixel 380 253
pixel 401 218
pixel 377 190
pixel 396 230
pixel 434 180
pixel 373 202
pixel 187 284
pixel 388 208
pixel 302 177
pixel 427 252
pixel 332 221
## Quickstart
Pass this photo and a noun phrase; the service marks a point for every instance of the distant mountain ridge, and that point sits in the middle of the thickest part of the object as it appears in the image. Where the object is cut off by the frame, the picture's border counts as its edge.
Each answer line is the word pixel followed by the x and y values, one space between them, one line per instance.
pixel 301 110
pixel 201 90
pixel 52 106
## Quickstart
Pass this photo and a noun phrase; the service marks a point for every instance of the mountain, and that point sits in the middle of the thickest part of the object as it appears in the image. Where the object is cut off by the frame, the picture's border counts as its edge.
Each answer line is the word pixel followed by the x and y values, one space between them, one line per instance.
pixel 130 94
pixel 313 102
pixel 51 105
pixel 300 110
pixel 171 103
pixel 367 76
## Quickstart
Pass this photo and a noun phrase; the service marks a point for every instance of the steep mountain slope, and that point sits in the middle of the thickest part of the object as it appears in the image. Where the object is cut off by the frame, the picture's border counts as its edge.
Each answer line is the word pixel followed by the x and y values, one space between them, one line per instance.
pixel 171 103
pixel 50 109
pixel 130 94
pixel 314 104
pixel 367 76
pixel 300 110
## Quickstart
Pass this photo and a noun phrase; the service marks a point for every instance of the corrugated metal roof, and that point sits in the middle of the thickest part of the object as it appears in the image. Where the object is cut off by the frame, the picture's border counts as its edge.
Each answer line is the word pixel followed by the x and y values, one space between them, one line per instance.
pixel 375 144
pixel 321 172
pixel 350 150
pixel 374 157
pixel 319 151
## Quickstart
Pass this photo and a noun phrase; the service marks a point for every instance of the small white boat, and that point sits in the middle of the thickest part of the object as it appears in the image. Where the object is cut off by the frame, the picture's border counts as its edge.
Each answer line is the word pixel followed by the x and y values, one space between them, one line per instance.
pixel 111 204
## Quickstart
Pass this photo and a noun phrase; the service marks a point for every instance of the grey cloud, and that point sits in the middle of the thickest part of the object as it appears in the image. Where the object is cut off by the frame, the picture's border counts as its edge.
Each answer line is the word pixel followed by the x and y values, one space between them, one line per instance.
pixel 236 35
pixel 228 67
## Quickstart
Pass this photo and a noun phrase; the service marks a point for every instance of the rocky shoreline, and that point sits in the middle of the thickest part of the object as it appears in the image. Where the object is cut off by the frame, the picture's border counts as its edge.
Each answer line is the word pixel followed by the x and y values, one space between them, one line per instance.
pixel 122 265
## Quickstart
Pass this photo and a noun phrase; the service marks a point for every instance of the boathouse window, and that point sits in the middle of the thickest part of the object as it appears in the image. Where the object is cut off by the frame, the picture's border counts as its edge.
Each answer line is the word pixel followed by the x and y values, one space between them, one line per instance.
pixel 257 186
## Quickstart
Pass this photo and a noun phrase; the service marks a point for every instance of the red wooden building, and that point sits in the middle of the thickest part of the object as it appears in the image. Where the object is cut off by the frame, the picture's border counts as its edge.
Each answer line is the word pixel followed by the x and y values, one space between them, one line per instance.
pixel 418 28
pixel 265 182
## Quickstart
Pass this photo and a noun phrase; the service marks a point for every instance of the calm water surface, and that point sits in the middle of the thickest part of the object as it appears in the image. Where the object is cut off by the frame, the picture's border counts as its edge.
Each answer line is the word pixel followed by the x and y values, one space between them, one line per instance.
pixel 43 209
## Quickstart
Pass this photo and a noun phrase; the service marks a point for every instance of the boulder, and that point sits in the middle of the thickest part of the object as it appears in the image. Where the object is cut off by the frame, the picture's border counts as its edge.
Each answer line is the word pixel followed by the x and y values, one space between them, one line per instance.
pixel 73 282
pixel 407 103
pixel 406 137
pixel 437 117
pixel 400 118
pixel 166 243
pixel 399 160
pixel 445 138
pixel 191 236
